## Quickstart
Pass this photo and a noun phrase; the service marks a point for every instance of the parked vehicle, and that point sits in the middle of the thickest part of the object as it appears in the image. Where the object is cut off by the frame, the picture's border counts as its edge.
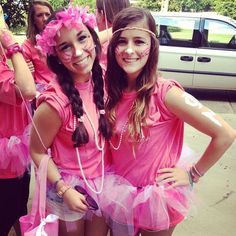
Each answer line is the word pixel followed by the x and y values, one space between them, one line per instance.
pixel 197 49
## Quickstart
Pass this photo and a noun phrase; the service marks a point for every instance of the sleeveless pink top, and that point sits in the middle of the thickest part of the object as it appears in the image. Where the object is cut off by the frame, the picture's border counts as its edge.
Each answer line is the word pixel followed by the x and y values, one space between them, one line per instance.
pixel 63 152
pixel 163 144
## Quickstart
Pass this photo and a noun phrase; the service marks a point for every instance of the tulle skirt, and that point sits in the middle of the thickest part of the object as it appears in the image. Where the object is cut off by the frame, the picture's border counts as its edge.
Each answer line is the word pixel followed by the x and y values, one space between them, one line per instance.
pixel 57 206
pixel 150 207
pixel 14 152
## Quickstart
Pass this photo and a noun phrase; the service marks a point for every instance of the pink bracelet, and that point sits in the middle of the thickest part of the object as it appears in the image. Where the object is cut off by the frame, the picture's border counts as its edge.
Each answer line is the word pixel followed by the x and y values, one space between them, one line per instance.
pixel 13 49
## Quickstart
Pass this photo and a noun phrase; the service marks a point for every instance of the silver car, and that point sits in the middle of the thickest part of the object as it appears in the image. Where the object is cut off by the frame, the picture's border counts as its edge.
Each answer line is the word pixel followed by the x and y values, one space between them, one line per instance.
pixel 197 49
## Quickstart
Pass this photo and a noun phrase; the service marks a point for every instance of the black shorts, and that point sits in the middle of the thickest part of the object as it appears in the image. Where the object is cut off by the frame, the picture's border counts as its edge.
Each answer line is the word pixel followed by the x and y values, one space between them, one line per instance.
pixel 14 194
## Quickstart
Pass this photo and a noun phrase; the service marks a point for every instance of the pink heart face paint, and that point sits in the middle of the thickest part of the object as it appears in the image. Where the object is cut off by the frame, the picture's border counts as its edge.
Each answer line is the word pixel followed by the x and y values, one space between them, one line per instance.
pixel 75 49
pixel 67 50
pixel 132 51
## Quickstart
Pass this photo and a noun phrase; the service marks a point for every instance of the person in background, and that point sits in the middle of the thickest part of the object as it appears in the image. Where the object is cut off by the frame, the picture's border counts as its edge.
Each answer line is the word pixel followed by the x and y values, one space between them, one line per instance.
pixel 147 114
pixel 106 10
pixel 71 121
pixel 16 84
pixel 39 12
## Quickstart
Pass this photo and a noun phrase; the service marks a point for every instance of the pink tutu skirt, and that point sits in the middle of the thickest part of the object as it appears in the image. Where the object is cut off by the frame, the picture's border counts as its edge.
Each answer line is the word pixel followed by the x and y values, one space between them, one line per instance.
pixel 150 207
pixel 57 206
pixel 14 152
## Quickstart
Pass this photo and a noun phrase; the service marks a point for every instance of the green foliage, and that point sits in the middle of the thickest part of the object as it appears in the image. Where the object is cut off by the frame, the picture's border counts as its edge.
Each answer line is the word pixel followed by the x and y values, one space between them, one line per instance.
pixel 226 7
pixel 150 4
pixel 63 3
pixel 15 12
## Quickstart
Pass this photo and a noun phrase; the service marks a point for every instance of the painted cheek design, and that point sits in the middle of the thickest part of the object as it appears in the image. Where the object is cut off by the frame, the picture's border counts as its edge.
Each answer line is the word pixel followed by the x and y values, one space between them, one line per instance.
pixel 192 101
pixel 89 46
pixel 145 52
pixel 66 56
pixel 118 51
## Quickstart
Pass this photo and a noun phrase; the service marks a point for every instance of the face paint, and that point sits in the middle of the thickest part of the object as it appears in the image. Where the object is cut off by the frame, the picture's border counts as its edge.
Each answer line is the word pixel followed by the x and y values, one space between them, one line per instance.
pixel 191 101
pixel 145 52
pixel 69 51
pixel 211 115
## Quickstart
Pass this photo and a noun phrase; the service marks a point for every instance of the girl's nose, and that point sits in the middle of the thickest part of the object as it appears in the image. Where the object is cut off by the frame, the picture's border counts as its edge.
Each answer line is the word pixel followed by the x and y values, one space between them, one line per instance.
pixel 129 50
pixel 78 52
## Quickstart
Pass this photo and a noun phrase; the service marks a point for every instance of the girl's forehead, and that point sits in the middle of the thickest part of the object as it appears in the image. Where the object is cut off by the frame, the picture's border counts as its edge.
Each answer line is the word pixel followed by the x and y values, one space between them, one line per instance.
pixel 136 29
pixel 67 33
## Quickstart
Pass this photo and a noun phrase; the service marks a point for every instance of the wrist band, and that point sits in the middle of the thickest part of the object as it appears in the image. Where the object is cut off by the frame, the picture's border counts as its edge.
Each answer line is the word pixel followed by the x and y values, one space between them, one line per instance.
pixel 197 171
pixel 63 190
pixel 12 50
pixel 56 182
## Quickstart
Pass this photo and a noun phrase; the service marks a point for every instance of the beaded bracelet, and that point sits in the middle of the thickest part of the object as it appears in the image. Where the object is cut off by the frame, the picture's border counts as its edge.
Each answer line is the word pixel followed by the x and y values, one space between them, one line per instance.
pixel 14 48
pixel 63 190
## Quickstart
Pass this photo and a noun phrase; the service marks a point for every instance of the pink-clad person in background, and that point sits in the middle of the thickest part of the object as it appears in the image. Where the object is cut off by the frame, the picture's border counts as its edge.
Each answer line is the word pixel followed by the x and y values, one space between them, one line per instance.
pixel 147 114
pixel 38 13
pixel 16 84
pixel 106 11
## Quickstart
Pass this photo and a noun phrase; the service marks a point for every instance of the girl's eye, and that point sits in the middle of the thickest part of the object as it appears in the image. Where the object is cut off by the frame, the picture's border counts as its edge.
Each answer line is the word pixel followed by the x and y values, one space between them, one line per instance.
pixel 121 42
pixel 140 42
pixel 64 48
pixel 83 38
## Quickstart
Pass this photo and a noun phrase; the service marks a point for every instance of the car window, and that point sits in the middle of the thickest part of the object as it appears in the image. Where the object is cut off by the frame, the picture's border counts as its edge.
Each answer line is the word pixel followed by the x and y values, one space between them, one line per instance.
pixel 177 31
pixel 218 35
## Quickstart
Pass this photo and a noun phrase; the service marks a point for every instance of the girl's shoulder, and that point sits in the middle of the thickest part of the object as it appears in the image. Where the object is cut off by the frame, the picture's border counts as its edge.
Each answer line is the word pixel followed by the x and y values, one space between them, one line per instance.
pixel 163 86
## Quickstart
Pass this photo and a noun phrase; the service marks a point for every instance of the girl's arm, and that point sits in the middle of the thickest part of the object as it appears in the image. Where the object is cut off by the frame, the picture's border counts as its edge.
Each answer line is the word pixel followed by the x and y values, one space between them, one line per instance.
pixel 191 111
pixel 104 35
pixel 48 123
pixel 23 77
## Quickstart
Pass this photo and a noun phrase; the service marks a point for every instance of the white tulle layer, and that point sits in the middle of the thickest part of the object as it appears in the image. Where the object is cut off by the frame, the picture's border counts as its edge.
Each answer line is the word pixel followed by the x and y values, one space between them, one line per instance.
pixel 14 153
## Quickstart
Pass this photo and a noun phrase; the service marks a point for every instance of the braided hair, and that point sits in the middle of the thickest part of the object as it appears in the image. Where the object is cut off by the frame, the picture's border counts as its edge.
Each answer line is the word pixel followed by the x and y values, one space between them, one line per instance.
pixel 80 135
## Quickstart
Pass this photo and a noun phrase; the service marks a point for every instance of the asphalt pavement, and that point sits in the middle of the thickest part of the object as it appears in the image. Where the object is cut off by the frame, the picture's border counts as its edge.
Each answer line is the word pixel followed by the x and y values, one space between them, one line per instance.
pixel 215 214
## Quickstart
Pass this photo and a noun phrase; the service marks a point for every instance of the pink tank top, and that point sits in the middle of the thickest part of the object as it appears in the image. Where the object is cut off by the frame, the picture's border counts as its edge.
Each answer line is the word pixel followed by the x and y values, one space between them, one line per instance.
pixel 161 146
pixel 63 152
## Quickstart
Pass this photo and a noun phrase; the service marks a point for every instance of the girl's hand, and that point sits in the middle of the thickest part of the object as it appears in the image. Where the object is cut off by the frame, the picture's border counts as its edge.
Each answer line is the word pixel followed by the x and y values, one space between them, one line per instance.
pixel 173 176
pixel 75 201
pixel 6 38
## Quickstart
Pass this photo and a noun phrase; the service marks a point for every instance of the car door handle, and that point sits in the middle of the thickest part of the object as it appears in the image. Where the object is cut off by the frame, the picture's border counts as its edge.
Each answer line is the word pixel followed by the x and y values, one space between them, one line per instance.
pixel 204 59
pixel 186 58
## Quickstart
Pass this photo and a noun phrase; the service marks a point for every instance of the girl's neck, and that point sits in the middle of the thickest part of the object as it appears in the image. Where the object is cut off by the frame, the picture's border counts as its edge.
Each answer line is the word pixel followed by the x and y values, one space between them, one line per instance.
pixel 82 79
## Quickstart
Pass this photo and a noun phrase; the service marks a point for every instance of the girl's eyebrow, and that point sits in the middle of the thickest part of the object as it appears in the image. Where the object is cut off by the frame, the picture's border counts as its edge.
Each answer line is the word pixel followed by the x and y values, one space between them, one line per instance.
pixel 79 33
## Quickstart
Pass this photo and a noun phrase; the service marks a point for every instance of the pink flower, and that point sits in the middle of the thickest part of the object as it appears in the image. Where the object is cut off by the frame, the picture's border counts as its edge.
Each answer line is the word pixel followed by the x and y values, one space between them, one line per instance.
pixel 73 17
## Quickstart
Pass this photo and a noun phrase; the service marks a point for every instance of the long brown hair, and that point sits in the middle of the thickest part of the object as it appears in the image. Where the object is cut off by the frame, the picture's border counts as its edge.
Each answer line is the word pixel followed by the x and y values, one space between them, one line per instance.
pixel 112 7
pixel 32 29
pixel 116 77
pixel 80 135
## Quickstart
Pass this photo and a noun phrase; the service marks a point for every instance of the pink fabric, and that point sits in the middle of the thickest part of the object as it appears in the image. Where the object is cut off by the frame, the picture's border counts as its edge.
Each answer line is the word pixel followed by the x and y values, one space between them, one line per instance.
pixel 14 120
pixel 42 74
pixel 161 150
pixel 63 153
pixel 103 57
pixel 151 207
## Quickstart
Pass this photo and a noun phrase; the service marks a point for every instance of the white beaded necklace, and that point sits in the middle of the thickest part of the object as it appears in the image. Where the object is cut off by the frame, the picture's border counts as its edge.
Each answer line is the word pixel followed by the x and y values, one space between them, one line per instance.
pixel 100 148
pixel 121 136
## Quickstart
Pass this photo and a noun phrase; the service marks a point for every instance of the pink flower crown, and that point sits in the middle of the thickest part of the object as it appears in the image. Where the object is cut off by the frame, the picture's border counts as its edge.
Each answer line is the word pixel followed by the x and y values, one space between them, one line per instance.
pixel 73 17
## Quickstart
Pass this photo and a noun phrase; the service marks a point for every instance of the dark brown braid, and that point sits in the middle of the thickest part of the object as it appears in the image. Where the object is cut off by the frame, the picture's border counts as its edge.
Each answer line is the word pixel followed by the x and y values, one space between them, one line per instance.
pixel 80 135
pixel 98 97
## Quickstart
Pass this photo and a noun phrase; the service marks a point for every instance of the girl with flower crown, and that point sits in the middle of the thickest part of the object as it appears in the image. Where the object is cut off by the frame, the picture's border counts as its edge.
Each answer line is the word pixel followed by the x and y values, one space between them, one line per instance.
pixel 147 114
pixel 16 84
pixel 70 120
